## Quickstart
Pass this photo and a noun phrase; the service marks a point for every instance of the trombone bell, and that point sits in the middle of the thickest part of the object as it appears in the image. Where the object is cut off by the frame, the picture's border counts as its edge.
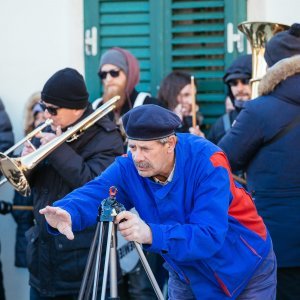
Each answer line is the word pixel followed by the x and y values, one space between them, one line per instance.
pixel 14 173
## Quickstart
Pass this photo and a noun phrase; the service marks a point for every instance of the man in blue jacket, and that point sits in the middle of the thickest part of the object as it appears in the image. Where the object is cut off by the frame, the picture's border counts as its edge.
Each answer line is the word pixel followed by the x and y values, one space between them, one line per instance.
pixel 264 142
pixel 191 211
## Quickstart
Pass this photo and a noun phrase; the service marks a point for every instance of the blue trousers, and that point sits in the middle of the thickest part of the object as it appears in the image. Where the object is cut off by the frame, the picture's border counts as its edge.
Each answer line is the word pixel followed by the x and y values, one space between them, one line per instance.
pixel 261 286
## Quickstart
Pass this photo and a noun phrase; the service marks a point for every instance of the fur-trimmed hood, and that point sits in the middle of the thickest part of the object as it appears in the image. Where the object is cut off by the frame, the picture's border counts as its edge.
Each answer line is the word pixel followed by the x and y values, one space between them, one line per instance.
pixel 278 73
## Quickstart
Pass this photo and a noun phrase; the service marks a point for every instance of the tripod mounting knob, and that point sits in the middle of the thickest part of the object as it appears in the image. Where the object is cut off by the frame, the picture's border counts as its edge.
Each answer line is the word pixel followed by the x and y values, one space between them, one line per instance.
pixel 110 207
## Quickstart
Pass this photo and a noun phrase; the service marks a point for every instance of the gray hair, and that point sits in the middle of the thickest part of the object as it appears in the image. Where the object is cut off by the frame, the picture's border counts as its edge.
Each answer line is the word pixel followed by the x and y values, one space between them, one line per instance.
pixel 164 140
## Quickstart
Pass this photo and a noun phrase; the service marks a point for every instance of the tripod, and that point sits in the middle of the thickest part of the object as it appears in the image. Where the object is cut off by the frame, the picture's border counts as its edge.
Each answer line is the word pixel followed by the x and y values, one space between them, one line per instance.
pixel 108 209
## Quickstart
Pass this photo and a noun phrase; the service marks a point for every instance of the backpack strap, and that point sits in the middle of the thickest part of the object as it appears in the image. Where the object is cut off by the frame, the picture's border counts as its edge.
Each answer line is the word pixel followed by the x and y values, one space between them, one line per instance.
pixel 226 122
pixel 140 99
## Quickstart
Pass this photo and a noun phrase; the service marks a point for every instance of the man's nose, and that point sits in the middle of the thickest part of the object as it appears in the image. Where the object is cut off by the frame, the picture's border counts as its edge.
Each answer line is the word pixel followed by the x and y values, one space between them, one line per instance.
pixel 108 77
pixel 240 85
pixel 138 155
pixel 47 115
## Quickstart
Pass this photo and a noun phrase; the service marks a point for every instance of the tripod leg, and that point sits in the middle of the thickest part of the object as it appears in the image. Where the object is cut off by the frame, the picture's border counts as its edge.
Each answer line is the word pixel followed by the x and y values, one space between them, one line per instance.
pixel 113 266
pixel 109 239
pixel 97 263
pixel 87 271
pixel 149 271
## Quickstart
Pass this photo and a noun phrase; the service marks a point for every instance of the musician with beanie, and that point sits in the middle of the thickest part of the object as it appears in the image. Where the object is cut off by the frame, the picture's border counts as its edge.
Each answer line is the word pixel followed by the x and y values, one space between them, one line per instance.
pixel 264 141
pixel 56 266
pixel 119 73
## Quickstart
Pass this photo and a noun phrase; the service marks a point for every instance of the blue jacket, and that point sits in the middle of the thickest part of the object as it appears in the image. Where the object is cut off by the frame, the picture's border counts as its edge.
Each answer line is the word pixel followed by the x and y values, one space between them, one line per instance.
pixel 273 169
pixel 205 227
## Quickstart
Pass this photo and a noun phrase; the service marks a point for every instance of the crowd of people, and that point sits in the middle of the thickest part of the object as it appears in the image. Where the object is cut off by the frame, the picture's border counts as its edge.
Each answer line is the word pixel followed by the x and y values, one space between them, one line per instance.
pixel 204 235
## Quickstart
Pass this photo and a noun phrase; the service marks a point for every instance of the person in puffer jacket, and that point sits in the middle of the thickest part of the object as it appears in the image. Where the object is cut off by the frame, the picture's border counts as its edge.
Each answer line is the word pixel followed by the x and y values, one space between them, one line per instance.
pixel 264 142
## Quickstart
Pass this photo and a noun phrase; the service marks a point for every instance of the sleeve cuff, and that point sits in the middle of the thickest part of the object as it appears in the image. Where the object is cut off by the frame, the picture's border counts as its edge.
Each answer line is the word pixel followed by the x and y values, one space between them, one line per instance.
pixel 158 243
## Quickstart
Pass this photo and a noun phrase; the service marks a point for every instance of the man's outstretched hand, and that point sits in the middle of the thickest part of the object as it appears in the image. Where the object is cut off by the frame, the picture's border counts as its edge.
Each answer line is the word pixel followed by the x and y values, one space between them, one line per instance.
pixel 59 219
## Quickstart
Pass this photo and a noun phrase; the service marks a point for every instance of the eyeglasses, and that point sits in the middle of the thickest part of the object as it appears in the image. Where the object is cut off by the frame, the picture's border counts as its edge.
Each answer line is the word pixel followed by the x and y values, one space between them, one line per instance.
pixel 235 82
pixel 52 110
pixel 112 73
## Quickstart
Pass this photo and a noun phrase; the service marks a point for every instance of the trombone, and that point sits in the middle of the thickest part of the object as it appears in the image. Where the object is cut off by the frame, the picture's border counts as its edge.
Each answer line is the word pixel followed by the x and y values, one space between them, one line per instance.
pixel 27 139
pixel 16 170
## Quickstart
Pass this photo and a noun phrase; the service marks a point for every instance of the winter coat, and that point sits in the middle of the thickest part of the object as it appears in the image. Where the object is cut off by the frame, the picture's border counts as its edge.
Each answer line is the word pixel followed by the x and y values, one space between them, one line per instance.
pixel 56 265
pixel 206 228
pixel 273 170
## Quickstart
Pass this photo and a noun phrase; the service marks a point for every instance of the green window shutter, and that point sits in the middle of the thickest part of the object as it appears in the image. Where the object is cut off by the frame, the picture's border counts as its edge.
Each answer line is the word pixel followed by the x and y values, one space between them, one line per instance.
pixel 169 35
pixel 196 32
pixel 126 24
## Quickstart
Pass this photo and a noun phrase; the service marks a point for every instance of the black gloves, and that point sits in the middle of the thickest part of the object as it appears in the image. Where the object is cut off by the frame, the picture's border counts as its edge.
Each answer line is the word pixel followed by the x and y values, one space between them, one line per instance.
pixel 5 207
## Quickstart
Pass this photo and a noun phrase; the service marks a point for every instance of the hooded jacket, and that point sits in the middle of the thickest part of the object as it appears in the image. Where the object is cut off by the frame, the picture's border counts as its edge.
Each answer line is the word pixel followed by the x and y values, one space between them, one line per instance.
pixel 272 169
pixel 241 68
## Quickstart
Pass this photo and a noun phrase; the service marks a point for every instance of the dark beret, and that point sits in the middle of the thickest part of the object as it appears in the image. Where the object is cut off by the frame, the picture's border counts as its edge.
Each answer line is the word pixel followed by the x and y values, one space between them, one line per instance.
pixel 150 122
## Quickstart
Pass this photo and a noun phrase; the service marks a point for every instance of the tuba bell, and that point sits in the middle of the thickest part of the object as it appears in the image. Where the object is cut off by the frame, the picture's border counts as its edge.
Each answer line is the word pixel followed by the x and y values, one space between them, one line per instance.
pixel 258 34
pixel 17 170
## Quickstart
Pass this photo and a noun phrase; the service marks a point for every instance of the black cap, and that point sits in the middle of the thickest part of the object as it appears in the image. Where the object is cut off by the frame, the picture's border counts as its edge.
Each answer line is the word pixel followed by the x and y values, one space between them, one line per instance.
pixel 241 68
pixel 150 122
pixel 66 88
pixel 283 45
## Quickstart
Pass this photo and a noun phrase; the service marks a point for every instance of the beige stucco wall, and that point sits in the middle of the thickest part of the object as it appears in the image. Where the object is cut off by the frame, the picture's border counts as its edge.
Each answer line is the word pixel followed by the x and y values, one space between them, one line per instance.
pixel 278 11
pixel 38 37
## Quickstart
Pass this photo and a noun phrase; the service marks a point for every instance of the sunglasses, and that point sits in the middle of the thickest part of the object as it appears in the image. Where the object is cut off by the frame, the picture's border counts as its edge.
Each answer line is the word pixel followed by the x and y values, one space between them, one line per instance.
pixel 235 82
pixel 112 73
pixel 52 110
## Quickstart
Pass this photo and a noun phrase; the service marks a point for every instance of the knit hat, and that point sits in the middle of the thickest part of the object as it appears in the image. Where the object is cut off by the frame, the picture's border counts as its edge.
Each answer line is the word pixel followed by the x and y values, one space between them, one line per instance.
pixel 66 88
pixel 283 45
pixel 241 68
pixel 124 60
pixel 116 58
pixel 150 122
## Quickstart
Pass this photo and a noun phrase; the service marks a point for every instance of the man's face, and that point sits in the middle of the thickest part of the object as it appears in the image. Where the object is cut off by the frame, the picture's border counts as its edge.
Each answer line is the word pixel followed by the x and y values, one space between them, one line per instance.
pixel 64 116
pixel 185 98
pixel 240 89
pixel 114 81
pixel 151 158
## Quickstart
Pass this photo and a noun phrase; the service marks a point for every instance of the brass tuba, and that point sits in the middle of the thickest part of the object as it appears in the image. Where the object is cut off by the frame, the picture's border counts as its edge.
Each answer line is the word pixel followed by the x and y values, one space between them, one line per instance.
pixel 16 170
pixel 258 34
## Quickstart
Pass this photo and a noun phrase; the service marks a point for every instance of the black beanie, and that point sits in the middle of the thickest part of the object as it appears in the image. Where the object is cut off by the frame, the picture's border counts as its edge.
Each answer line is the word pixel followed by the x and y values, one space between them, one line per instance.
pixel 66 88
pixel 283 45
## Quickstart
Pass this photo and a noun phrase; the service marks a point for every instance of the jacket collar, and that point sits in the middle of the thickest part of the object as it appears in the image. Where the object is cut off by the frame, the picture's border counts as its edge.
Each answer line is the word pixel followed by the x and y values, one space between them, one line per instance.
pixel 279 72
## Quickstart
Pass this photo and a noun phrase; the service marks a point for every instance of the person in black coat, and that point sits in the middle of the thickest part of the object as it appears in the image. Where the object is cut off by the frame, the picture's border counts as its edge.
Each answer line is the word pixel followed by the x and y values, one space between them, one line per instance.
pixel 237 79
pixel 34 116
pixel 6 141
pixel 56 265
pixel 264 141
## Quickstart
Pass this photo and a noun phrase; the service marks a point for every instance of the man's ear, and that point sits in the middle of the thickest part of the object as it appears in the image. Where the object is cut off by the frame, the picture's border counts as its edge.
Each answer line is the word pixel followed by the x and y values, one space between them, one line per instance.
pixel 171 143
